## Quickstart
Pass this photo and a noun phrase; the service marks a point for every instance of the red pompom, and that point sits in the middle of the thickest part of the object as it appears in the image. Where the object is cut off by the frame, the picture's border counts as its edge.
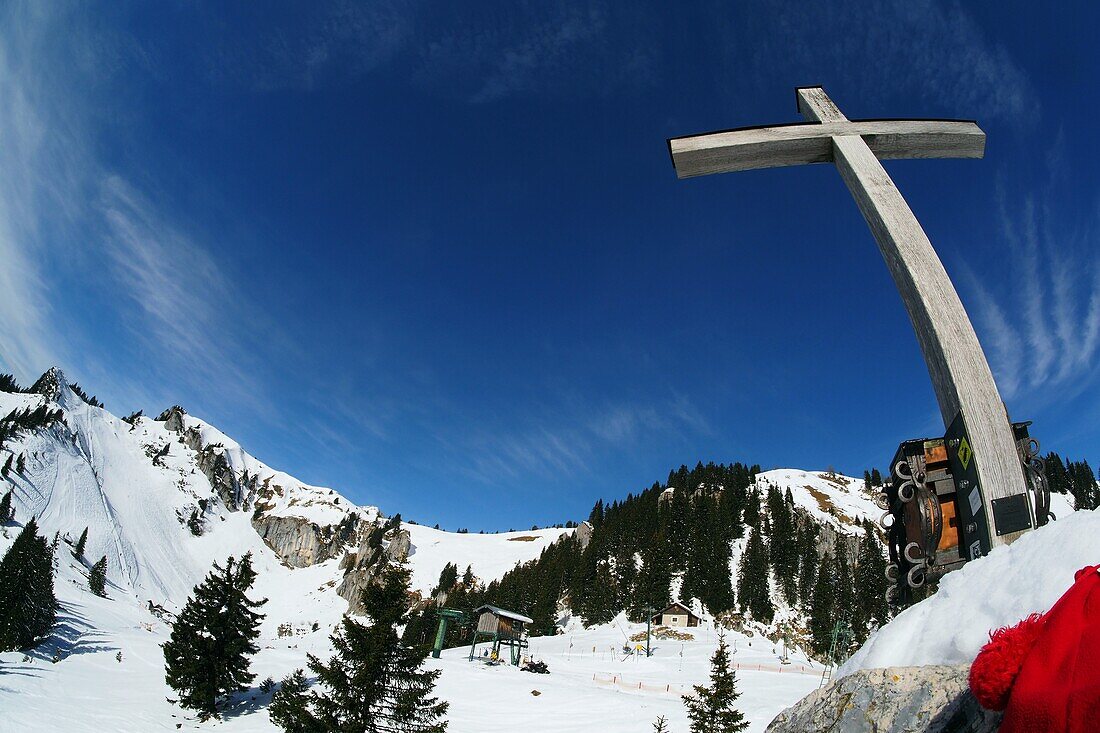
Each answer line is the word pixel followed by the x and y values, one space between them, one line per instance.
pixel 999 661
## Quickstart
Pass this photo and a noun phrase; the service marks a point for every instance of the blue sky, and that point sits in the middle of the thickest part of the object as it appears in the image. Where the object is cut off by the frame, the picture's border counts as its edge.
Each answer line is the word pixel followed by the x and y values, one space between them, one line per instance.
pixel 438 259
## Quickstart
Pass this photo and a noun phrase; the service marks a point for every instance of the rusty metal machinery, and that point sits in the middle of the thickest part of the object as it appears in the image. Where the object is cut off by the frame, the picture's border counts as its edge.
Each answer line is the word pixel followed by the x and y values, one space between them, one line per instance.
pixel 933 513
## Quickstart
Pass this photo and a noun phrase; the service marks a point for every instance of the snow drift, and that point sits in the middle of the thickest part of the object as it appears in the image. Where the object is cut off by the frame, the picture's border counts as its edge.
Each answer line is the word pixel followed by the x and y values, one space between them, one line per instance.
pixel 1011 582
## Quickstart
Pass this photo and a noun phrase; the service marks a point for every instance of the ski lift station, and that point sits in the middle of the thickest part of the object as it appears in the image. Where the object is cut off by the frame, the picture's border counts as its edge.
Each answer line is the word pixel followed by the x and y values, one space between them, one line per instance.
pixel 503 629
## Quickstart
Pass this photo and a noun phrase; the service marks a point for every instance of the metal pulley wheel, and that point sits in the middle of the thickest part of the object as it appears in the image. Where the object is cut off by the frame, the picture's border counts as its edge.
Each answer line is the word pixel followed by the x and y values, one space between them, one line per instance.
pixel 916 576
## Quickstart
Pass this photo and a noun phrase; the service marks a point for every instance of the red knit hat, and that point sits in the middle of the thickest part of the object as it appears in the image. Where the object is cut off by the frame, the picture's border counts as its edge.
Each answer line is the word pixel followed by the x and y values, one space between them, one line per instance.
pixel 1044 672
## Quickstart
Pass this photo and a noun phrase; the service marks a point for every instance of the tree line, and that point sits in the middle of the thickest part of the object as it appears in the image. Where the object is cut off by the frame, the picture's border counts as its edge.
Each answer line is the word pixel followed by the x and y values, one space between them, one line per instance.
pixel 1075 478
pixel 687 529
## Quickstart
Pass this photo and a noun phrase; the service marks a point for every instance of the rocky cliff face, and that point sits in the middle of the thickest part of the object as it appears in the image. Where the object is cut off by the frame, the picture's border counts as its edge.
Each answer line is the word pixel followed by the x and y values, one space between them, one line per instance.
pixel 300 543
pixel 365 564
pixel 932 699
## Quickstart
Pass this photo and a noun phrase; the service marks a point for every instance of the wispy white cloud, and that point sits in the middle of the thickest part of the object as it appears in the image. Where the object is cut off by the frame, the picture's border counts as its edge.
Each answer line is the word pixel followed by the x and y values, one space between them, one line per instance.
pixel 1042 327
pixel 34 172
pixel 67 216
pixel 565 442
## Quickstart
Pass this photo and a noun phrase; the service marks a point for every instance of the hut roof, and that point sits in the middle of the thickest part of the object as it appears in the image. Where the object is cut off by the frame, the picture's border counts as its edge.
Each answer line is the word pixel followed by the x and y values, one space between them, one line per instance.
pixel 501 612
pixel 677 606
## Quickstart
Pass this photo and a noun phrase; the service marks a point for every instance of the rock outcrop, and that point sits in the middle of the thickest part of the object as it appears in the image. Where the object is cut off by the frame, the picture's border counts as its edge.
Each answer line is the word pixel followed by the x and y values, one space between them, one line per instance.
pixel 300 543
pixel 365 564
pixel 931 699
pixel 583 534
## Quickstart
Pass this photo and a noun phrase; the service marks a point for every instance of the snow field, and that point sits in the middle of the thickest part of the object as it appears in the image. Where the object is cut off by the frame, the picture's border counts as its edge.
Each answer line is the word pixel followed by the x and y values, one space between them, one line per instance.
pixel 578 694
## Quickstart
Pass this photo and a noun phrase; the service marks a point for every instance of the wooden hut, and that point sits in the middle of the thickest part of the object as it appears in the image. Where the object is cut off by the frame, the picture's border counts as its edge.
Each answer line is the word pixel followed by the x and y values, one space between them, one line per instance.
pixel 677 614
pixel 502 628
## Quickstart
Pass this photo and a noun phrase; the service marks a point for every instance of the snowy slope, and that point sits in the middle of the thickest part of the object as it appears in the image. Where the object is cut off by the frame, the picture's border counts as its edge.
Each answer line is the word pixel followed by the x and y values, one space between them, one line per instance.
pixel 1000 589
pixel 489 555
pixel 829 497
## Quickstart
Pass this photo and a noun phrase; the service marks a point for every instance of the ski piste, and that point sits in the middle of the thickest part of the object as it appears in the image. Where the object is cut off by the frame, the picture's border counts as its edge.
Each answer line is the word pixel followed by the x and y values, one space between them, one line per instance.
pixel 934 516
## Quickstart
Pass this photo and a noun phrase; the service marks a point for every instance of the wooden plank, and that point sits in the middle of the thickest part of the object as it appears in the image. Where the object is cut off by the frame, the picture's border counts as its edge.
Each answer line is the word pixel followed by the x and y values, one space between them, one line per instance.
pixel 960 374
pixel 800 144
pixel 814 104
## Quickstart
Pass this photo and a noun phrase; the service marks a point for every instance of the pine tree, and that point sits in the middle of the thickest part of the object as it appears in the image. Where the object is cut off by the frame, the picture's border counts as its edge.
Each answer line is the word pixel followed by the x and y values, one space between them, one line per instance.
pixel 207 656
pixel 708 576
pixel 844 598
pixel 1057 476
pixel 807 567
pixel 289 707
pixel 97 579
pixel 598 604
pixel 870 584
pixel 28 607
pixel 876 477
pixel 660 725
pixel 711 709
pixel 7 511
pixel 447 578
pixel 655 576
pixel 1085 493
pixel 822 607
pixel 752 509
pixel 372 683
pixel 753 585
pixel 7 466
pixel 21 464
pixel 78 550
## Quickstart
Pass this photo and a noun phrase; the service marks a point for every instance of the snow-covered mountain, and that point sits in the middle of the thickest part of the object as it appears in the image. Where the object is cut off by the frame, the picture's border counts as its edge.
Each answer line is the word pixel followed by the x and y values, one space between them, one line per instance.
pixel 163 498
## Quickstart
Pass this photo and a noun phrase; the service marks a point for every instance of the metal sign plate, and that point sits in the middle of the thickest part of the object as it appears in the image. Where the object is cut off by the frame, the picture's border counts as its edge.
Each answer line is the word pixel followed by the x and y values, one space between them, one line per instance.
pixel 973 522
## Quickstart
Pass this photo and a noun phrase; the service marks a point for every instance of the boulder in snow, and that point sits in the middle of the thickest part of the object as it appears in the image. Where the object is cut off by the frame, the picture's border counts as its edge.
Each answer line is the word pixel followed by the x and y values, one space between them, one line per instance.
pixel 932 699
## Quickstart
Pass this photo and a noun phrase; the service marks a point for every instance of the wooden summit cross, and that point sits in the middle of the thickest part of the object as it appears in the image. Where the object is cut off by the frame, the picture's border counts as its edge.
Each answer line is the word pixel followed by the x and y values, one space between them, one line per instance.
pixel 960 373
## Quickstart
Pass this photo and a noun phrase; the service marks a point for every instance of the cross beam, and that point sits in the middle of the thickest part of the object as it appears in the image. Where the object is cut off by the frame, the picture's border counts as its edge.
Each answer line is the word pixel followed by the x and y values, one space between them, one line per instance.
pixel 960 373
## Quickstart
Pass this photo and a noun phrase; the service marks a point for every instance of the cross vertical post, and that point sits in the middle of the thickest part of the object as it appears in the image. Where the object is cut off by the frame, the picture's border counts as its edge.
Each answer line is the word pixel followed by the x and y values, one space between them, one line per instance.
pixel 963 382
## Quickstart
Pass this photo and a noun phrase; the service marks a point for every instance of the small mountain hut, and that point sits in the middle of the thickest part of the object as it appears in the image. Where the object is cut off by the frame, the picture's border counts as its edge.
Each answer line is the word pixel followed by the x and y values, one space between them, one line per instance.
pixel 502 628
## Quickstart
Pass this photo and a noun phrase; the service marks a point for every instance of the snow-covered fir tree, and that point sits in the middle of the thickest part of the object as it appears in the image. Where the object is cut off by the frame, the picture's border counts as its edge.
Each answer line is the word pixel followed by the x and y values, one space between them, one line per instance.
pixel 208 654
pixel 373 682
pixel 28 607
pixel 710 709
pixel 97 578
pixel 78 549
pixel 7 511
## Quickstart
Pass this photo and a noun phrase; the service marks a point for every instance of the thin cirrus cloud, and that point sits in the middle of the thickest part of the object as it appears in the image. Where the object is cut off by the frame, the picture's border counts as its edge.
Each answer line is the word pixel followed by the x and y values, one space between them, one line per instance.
pixel 67 217
pixel 36 177
pixel 1043 330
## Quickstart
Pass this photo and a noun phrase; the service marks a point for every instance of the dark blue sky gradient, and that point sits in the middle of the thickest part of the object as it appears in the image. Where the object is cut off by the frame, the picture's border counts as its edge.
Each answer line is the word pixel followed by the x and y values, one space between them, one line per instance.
pixel 438 258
